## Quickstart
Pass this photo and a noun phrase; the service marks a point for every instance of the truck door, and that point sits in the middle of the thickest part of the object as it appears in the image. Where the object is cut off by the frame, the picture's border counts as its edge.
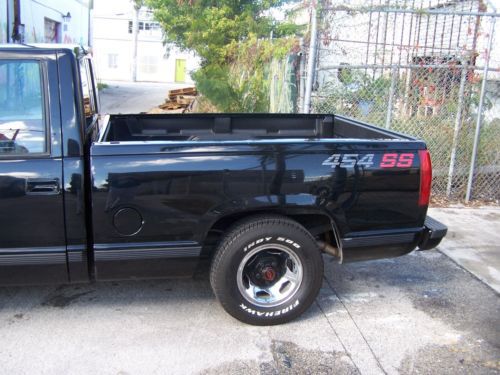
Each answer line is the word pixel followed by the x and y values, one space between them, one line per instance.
pixel 32 235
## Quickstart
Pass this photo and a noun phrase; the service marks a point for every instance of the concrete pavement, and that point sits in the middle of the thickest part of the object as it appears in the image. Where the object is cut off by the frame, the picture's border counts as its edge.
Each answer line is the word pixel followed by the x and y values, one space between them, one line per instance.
pixel 473 240
pixel 130 97
pixel 421 313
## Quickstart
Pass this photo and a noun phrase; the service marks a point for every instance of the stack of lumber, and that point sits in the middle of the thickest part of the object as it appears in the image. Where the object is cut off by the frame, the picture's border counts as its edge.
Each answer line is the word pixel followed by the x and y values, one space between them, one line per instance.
pixel 179 99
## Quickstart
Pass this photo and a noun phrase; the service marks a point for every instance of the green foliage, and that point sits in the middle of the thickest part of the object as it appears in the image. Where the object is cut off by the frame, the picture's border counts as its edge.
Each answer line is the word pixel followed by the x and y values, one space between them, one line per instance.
pixel 102 86
pixel 242 85
pixel 230 36
pixel 138 4
pixel 358 94
pixel 209 27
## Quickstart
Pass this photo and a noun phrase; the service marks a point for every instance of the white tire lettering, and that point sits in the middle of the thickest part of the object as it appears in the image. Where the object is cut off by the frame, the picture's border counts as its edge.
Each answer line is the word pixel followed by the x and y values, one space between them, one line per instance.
pixel 288 241
pixel 256 242
pixel 269 314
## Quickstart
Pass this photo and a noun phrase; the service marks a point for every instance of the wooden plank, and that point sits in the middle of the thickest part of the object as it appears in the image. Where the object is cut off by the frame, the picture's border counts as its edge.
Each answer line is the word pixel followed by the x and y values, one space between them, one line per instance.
pixel 172 94
pixel 170 105
pixel 184 90
pixel 185 99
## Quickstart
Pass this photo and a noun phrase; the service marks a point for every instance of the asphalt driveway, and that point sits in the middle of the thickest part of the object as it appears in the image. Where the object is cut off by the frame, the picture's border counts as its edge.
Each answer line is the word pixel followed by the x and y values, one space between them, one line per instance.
pixel 421 313
pixel 130 97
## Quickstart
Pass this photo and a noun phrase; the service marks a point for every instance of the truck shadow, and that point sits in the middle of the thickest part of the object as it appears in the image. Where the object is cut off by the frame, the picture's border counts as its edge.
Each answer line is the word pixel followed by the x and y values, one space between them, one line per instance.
pixel 340 280
pixel 415 276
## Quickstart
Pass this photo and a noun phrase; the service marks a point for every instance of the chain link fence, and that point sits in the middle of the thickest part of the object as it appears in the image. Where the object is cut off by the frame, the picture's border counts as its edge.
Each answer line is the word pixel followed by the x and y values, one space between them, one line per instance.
pixel 434 103
pixel 447 93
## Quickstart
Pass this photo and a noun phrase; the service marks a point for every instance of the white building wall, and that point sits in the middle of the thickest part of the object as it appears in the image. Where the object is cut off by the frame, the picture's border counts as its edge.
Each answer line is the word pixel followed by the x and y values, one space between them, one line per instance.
pixel 3 21
pixel 113 46
pixel 74 30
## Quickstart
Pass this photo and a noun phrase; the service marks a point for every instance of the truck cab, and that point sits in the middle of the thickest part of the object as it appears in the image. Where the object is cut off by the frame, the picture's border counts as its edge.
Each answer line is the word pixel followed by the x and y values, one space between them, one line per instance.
pixel 42 200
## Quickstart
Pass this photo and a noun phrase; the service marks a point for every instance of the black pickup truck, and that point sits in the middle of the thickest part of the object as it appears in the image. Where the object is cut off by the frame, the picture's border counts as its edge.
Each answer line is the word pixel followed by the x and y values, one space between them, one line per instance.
pixel 86 196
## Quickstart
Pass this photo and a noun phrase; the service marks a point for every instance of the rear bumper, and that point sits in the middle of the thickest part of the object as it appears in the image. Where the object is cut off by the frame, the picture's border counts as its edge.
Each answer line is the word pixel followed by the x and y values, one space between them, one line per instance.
pixel 393 243
pixel 433 233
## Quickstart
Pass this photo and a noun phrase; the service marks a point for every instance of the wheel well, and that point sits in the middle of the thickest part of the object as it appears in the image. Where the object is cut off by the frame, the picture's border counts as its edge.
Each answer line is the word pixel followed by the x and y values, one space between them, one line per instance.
pixel 316 223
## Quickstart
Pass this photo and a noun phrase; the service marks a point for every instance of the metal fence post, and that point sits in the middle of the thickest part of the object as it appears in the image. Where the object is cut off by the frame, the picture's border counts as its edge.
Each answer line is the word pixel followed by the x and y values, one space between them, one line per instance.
pixel 388 118
pixel 311 62
pixel 480 113
pixel 302 82
pixel 458 124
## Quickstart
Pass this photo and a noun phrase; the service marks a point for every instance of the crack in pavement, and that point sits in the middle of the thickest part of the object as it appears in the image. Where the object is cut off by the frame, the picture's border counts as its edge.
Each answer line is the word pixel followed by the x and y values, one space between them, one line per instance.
pixel 355 345
pixel 338 337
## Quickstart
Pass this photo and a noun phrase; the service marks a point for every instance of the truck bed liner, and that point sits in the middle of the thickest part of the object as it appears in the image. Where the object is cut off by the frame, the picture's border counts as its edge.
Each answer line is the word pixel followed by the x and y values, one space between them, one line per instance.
pixel 212 127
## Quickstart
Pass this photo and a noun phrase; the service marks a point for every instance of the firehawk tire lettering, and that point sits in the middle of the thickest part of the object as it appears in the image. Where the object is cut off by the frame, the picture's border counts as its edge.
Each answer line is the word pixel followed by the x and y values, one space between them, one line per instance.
pixel 279 312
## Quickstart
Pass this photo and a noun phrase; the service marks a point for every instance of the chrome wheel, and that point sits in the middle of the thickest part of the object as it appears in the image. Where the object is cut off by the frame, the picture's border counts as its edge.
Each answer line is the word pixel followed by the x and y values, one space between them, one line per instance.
pixel 269 275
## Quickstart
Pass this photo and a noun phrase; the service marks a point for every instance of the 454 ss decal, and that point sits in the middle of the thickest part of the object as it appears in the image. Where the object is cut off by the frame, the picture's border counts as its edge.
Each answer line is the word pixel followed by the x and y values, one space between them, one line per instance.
pixel 387 160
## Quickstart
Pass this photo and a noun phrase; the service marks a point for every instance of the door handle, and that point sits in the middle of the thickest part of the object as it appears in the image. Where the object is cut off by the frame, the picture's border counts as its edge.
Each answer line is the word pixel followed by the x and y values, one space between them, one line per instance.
pixel 42 186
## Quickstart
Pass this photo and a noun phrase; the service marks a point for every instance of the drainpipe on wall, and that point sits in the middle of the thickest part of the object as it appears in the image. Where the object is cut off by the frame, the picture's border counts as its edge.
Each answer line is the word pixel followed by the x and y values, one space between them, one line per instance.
pixel 7 36
pixel 15 37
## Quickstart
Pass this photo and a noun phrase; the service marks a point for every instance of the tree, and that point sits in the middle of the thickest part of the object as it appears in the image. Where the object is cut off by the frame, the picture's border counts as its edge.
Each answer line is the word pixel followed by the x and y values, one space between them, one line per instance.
pixel 221 32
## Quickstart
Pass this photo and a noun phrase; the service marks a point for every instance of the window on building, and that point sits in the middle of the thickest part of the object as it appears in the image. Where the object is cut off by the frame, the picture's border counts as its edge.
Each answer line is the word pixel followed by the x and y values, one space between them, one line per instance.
pixel 112 60
pixel 22 114
pixel 152 27
pixel 144 26
pixel 148 64
pixel 52 32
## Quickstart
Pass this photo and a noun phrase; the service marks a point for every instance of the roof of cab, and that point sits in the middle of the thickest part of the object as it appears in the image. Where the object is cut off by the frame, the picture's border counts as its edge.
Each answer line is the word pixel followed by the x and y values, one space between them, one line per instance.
pixel 74 48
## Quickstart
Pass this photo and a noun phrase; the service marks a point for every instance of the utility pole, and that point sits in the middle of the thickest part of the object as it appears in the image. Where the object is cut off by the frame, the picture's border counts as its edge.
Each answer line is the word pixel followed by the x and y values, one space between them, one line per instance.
pixel 90 26
pixel 135 33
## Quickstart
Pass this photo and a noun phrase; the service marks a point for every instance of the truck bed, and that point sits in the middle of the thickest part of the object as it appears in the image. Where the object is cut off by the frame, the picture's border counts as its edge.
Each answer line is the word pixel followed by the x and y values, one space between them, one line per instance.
pixel 227 127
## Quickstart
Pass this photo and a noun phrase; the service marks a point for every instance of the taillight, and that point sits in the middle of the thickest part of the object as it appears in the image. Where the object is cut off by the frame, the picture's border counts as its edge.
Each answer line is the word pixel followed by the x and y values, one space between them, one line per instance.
pixel 425 177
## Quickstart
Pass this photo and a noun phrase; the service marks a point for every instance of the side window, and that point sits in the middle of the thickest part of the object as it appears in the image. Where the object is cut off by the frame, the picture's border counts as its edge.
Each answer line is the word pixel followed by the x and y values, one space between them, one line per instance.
pixel 22 118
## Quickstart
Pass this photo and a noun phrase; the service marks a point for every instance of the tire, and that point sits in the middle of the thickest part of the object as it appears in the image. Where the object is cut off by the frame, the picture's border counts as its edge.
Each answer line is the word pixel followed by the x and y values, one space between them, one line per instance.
pixel 266 270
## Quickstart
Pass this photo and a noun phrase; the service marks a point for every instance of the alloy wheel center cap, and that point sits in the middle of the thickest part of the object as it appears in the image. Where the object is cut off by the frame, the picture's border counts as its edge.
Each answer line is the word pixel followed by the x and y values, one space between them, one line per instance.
pixel 268 273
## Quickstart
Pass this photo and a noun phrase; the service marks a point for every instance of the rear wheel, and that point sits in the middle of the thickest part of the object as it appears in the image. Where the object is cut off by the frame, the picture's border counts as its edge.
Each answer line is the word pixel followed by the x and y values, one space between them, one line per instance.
pixel 267 270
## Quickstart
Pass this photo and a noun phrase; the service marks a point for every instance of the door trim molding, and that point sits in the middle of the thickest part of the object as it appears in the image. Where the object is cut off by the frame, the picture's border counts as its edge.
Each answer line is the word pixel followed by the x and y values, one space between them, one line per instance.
pixel 146 250
pixel 21 256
